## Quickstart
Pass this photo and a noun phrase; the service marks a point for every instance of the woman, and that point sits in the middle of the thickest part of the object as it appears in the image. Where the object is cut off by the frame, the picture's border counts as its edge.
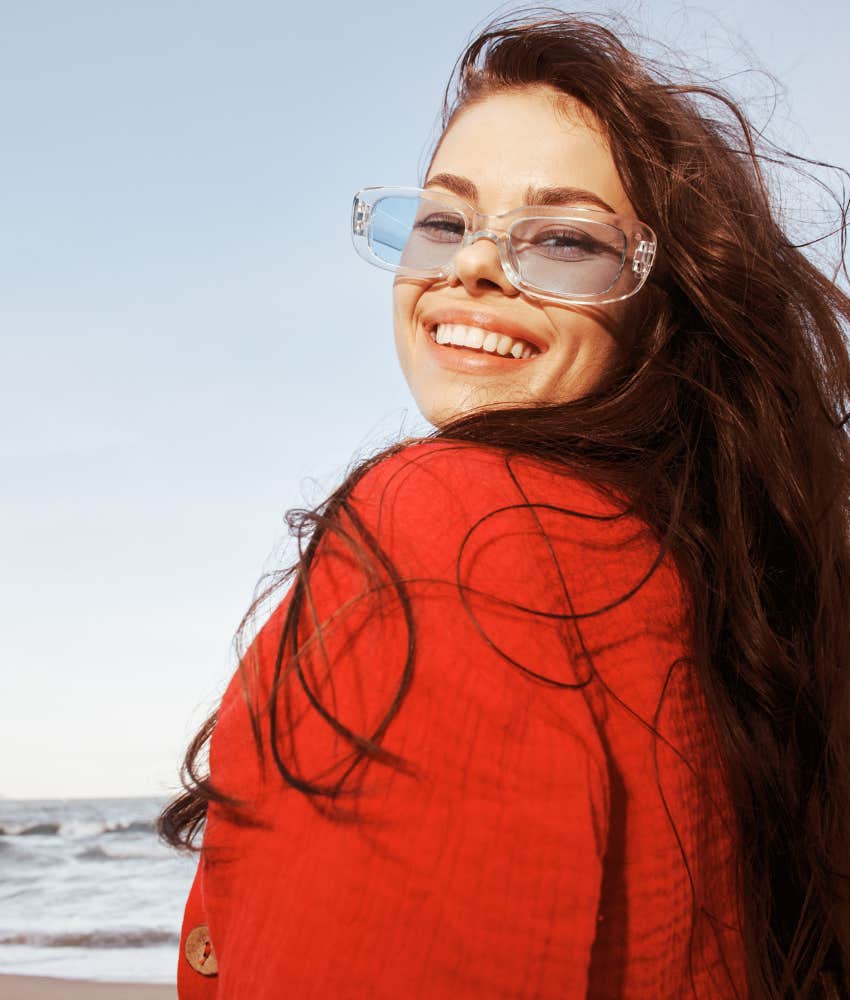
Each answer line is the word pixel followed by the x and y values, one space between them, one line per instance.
pixel 557 703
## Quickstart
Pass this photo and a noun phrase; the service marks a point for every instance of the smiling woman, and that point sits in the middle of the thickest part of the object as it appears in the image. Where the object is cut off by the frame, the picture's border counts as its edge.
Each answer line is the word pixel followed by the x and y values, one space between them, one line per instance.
pixel 498 154
pixel 558 701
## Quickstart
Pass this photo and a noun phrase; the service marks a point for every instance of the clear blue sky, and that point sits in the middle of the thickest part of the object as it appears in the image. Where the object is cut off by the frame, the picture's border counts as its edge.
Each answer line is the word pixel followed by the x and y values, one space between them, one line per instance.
pixel 190 345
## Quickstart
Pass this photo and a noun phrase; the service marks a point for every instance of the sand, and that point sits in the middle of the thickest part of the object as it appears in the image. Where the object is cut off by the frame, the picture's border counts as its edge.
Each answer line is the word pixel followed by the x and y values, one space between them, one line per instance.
pixel 48 988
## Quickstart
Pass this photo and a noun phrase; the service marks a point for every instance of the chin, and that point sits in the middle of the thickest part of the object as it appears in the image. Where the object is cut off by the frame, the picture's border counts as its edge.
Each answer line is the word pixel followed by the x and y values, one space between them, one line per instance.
pixel 436 408
pixel 441 409
pixel 439 416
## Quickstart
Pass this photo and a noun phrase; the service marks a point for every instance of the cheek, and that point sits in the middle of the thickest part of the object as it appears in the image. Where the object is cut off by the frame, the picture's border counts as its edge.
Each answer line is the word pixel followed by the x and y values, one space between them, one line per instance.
pixel 590 345
pixel 402 305
pixel 404 302
pixel 587 329
pixel 406 295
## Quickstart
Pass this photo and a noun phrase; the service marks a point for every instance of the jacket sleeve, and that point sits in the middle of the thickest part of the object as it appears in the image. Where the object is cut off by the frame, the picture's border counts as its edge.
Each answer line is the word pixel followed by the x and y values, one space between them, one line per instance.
pixel 475 869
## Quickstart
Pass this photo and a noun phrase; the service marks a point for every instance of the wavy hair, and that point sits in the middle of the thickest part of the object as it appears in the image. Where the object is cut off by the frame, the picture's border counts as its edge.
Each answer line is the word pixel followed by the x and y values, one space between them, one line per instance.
pixel 726 428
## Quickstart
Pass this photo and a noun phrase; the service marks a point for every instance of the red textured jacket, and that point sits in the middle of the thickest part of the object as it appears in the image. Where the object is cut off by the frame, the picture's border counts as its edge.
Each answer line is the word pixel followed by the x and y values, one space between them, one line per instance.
pixel 543 842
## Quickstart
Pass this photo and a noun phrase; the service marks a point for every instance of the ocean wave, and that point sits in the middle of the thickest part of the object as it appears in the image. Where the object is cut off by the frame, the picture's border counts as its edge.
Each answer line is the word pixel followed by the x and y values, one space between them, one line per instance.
pixel 36 829
pixel 78 829
pixel 94 854
pixel 98 853
pixel 94 939
pixel 136 826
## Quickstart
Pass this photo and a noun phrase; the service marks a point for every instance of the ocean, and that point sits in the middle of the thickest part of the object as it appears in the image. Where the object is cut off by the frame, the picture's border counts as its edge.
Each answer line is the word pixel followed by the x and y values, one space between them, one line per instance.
pixel 87 891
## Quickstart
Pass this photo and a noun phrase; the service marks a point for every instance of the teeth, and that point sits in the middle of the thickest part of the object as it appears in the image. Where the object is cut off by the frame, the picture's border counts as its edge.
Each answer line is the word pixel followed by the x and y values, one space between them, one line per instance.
pixel 458 336
pixel 474 336
pixel 478 339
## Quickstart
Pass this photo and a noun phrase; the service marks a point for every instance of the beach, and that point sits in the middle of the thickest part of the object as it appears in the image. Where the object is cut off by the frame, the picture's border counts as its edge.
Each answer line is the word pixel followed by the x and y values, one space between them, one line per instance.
pixel 89 894
pixel 48 988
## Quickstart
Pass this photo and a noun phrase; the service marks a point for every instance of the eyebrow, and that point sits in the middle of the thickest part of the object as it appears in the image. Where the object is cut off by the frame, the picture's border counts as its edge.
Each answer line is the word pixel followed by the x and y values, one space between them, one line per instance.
pixel 464 188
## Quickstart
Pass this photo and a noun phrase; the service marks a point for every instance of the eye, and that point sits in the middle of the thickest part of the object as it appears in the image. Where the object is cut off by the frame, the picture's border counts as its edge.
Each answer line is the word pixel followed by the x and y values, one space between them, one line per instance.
pixel 447 228
pixel 568 244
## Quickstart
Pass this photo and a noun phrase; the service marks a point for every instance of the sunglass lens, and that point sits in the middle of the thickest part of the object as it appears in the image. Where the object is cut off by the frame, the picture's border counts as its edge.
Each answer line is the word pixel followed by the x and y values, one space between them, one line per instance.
pixel 414 231
pixel 568 256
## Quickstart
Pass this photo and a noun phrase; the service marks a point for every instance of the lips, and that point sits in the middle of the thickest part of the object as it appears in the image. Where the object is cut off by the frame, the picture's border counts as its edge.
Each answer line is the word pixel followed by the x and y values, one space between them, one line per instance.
pixel 485 320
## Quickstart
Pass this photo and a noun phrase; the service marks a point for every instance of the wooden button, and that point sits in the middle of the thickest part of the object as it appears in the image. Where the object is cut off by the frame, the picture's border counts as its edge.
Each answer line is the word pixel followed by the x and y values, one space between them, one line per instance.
pixel 199 951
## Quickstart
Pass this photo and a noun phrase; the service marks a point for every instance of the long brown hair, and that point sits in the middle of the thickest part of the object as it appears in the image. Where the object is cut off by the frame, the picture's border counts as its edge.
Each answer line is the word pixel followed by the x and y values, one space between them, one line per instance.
pixel 726 427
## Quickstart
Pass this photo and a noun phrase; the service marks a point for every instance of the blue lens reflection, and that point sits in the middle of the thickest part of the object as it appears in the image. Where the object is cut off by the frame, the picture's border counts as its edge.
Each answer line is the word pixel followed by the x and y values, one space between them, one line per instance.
pixel 392 222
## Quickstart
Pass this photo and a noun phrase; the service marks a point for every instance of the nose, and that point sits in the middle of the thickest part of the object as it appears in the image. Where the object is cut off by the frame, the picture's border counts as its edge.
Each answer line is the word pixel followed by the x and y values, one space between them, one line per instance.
pixel 478 266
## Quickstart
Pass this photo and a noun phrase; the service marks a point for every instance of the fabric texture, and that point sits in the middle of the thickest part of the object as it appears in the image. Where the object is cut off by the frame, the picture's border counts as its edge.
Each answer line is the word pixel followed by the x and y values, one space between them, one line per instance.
pixel 542 841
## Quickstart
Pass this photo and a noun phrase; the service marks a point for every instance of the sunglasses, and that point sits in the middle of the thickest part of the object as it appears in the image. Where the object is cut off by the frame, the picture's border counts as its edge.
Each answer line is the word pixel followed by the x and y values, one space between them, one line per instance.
pixel 560 254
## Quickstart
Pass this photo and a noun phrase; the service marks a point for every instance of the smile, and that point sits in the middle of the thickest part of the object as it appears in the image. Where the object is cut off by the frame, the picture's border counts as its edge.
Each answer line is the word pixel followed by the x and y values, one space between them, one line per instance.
pixel 476 339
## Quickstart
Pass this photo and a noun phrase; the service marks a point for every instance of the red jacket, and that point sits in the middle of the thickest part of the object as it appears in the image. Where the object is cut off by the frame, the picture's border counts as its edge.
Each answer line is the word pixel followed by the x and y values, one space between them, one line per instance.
pixel 527 852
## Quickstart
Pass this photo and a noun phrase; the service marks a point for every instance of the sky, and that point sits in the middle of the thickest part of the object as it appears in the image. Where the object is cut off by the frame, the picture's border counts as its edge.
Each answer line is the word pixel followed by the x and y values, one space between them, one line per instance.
pixel 189 345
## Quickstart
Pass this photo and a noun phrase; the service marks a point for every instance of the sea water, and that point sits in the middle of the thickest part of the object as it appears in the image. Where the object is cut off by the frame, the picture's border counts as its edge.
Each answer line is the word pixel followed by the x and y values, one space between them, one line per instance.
pixel 88 891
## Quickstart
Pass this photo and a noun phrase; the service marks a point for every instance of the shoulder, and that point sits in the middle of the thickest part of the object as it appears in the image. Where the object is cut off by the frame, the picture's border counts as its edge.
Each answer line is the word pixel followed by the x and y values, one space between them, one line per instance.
pixel 456 477
pixel 449 509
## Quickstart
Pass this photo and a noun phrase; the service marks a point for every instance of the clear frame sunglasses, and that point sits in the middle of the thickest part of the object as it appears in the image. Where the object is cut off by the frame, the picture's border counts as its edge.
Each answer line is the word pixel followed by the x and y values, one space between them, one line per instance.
pixel 561 254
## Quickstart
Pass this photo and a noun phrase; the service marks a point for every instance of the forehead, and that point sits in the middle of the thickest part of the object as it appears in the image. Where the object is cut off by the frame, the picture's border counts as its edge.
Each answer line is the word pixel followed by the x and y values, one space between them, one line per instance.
pixel 514 139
